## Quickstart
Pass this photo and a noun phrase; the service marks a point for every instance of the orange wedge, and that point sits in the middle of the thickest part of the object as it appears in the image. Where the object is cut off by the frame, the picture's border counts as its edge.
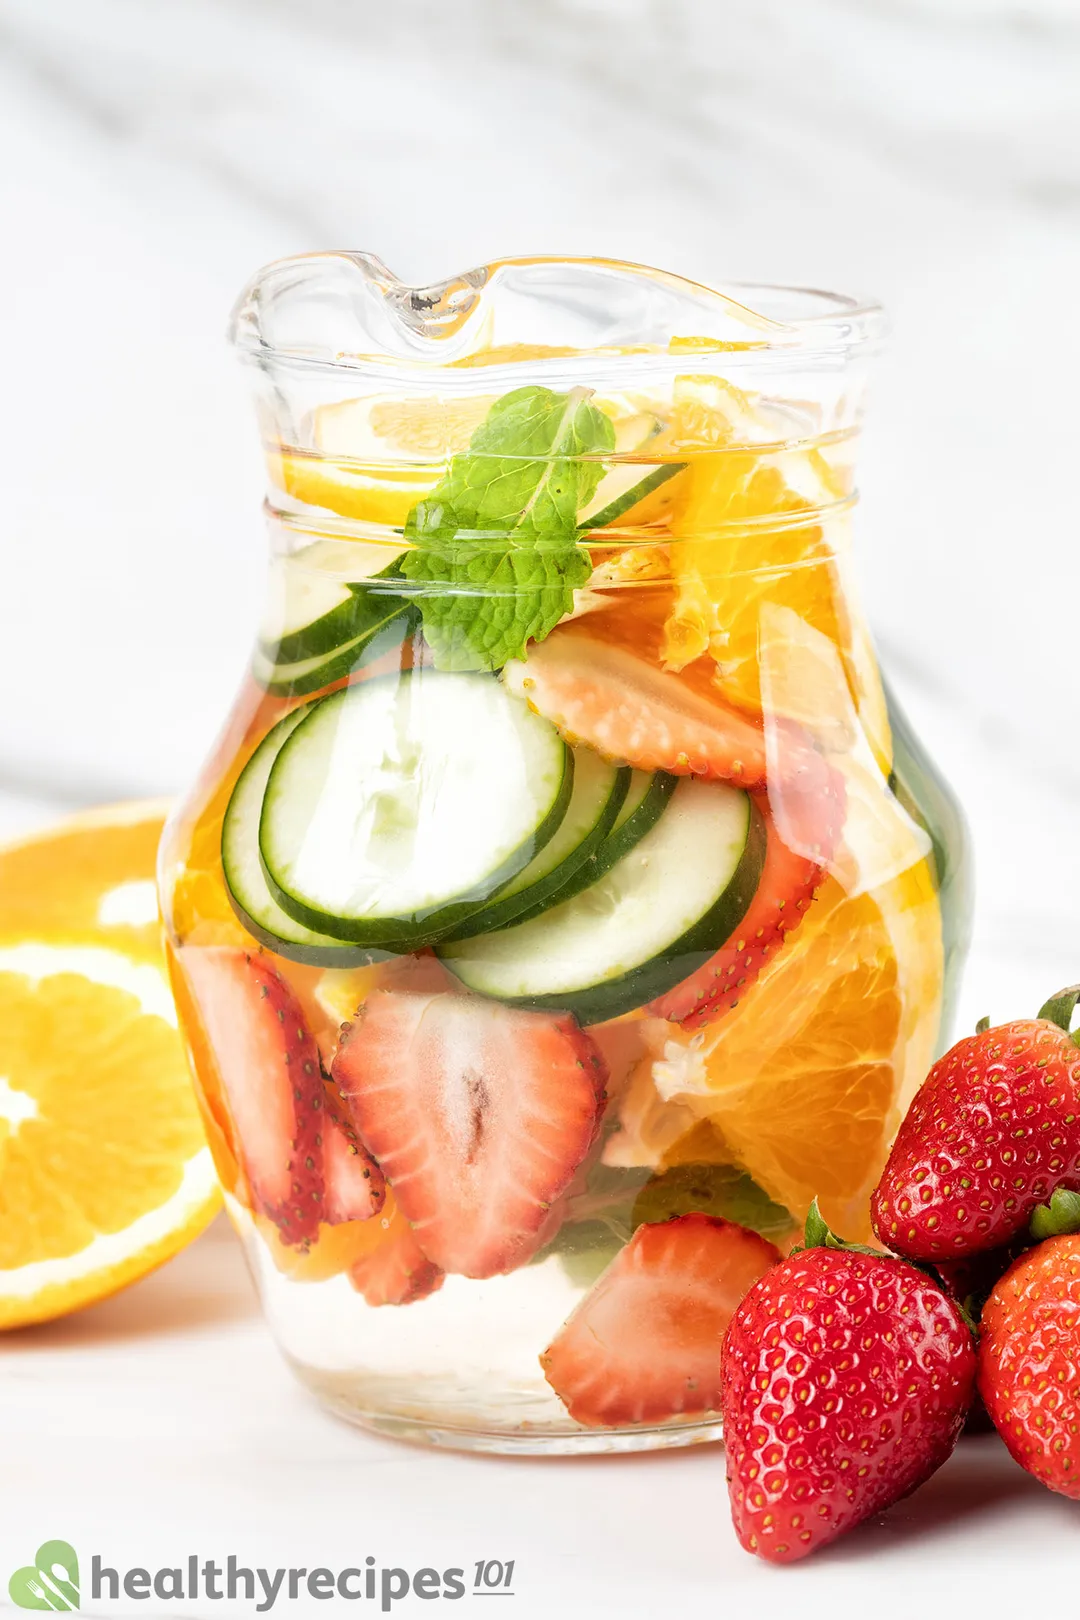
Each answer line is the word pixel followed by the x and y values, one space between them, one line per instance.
pixel 104 1168
pixel 373 459
pixel 749 537
pixel 804 1083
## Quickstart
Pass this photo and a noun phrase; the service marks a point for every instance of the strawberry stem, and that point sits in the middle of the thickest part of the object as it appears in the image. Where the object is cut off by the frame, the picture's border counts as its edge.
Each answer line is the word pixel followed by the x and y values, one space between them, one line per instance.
pixel 818 1235
pixel 982 1026
pixel 1059 1009
pixel 1059 1218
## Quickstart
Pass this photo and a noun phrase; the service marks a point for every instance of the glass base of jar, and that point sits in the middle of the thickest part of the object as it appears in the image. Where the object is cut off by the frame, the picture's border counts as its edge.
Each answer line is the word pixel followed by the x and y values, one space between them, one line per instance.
pixel 361 1401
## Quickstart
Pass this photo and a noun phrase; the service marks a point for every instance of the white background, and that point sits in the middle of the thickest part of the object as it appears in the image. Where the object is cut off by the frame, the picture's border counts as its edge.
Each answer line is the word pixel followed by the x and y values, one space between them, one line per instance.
pixel 152 155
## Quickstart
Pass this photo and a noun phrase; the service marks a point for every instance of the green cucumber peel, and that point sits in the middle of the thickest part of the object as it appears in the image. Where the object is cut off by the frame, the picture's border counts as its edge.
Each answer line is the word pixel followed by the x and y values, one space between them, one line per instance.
pixel 496 553
pixel 1059 1218
pixel 623 504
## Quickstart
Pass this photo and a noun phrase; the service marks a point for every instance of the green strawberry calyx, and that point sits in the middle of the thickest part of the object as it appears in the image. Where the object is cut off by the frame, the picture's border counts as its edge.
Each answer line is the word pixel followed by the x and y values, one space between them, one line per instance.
pixel 1059 1218
pixel 817 1234
pixel 1057 1010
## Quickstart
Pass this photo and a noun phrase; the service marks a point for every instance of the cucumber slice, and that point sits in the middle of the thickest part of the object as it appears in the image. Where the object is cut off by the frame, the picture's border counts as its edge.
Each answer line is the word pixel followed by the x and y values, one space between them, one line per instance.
pixel 651 794
pixel 402 804
pixel 244 877
pixel 599 791
pixel 385 623
pixel 298 600
pixel 624 484
pixel 646 800
pixel 318 614
pixel 652 920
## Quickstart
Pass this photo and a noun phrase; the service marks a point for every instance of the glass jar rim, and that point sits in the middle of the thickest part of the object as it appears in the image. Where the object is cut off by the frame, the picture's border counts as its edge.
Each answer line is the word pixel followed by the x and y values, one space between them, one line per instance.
pixel 429 327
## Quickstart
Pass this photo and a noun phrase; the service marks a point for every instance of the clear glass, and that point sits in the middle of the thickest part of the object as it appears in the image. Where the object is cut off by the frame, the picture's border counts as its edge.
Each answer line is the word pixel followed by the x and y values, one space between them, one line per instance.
pixel 590 888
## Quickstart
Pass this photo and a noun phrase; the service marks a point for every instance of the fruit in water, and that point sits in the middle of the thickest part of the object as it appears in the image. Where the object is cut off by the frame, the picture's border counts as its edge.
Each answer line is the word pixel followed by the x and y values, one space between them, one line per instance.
pixel 804 1080
pixel 1029 1362
pixel 846 1379
pixel 788 883
pixel 643 1346
pixel 353 1186
pixel 748 534
pixel 993 1131
pixel 634 713
pixel 397 1271
pixel 478 1114
pixel 303 1163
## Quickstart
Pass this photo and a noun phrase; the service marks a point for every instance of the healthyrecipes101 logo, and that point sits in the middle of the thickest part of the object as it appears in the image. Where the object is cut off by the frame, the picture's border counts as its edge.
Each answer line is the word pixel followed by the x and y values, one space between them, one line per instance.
pixel 52 1581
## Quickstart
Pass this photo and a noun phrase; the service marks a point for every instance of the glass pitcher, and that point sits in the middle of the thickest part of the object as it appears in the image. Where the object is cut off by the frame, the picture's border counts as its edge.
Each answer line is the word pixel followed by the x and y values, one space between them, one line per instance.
pixel 565 904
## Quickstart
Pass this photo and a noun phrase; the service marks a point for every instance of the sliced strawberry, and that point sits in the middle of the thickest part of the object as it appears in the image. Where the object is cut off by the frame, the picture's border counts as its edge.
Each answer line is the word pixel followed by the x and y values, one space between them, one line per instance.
pixel 478 1114
pixel 286 1135
pixel 355 1187
pixel 788 882
pixel 644 1344
pixel 632 712
pixel 397 1272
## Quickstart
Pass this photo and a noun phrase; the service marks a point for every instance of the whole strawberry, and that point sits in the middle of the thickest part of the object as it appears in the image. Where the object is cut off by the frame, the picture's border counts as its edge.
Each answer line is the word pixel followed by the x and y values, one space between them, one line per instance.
pixel 993 1131
pixel 1029 1352
pixel 846 1376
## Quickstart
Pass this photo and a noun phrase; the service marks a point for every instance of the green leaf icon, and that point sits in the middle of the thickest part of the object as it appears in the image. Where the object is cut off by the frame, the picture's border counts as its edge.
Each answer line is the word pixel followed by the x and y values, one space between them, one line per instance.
pixel 51 1582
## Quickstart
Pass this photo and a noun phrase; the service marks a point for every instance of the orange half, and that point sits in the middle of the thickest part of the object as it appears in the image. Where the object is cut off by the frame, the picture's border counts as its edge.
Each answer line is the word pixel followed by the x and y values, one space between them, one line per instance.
pixel 104 1168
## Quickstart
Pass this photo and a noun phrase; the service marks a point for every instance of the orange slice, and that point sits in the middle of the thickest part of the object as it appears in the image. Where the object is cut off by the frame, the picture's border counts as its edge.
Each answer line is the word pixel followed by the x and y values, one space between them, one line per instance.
pixel 748 536
pixel 804 1083
pixel 104 1168
pixel 88 878
pixel 373 459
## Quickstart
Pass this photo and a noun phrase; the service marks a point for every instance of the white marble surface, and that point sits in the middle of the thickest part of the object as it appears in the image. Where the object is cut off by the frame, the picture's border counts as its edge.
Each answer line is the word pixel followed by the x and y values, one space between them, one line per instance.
pixel 152 155
pixel 162 1423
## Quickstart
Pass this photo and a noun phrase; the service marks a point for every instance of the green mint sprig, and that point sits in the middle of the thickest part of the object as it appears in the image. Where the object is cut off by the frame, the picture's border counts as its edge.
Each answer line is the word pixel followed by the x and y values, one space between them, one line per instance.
pixel 496 553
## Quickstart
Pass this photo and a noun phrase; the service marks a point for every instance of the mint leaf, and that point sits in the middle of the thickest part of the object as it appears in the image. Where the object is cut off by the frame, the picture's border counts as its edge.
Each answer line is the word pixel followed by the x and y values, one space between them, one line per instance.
pixel 496 555
pixel 711 1189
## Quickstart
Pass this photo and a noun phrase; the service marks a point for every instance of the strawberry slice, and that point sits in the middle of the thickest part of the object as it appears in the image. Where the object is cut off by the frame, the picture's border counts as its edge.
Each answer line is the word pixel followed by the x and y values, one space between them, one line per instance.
pixel 397 1272
pixel 644 1344
pixel 478 1114
pixel 354 1187
pixel 787 886
pixel 301 1165
pixel 634 713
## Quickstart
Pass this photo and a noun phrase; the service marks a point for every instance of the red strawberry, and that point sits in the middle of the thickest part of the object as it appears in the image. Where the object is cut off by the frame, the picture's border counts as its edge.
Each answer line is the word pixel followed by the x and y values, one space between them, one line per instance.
pixel 1029 1362
pixel 846 1378
pixel 971 1281
pixel 301 1164
pixel 631 711
pixel 397 1272
pixel 788 882
pixel 644 1343
pixel 993 1131
pixel 479 1115
pixel 354 1188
